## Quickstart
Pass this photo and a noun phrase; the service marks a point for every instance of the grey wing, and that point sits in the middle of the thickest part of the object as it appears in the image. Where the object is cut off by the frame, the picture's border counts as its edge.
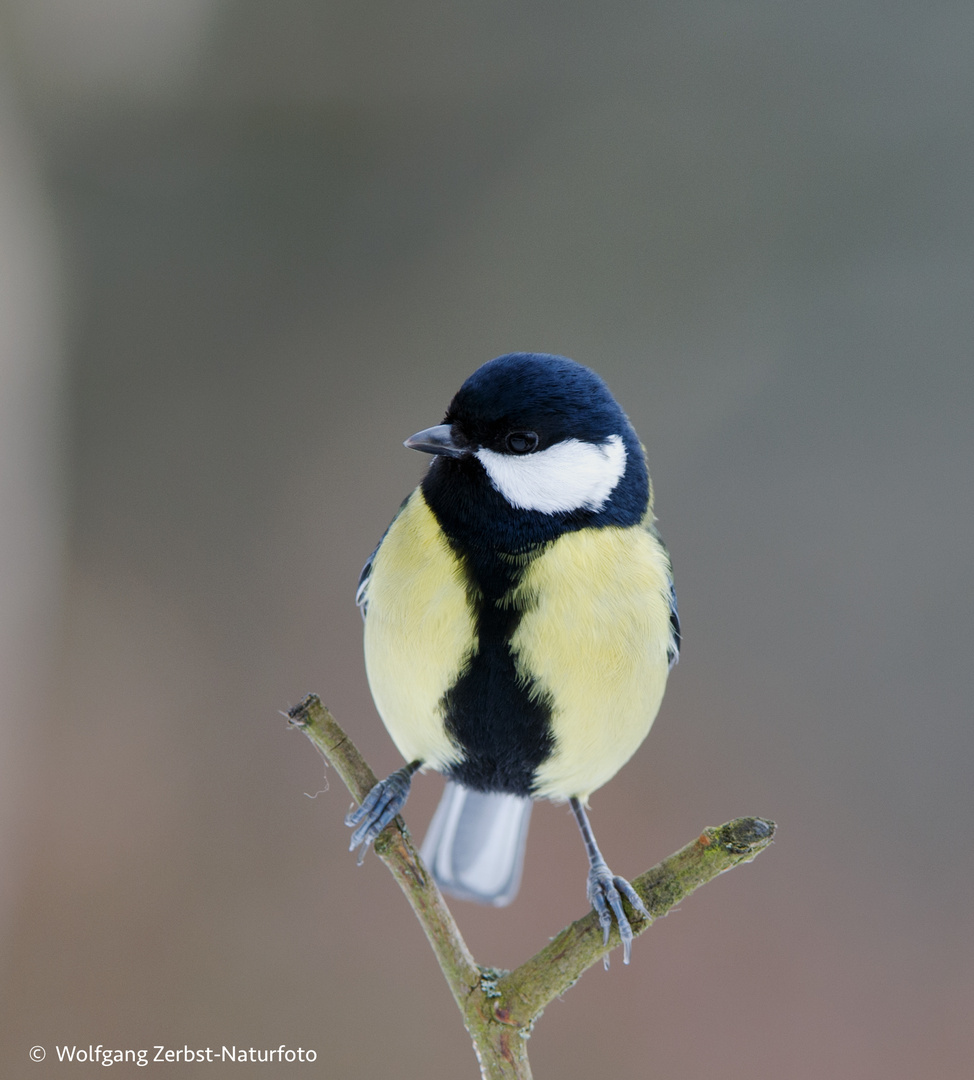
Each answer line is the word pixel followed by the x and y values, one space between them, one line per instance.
pixel 673 650
pixel 362 589
pixel 676 636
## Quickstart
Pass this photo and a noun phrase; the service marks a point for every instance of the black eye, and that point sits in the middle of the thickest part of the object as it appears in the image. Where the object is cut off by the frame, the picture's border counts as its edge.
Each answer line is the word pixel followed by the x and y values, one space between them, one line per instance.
pixel 521 442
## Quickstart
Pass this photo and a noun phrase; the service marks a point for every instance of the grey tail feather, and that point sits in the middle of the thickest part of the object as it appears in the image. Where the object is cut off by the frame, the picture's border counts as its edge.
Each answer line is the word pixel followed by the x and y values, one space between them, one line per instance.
pixel 475 844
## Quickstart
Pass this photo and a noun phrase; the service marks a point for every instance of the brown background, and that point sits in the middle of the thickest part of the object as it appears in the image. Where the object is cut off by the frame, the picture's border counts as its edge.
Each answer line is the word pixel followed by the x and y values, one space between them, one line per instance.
pixel 247 248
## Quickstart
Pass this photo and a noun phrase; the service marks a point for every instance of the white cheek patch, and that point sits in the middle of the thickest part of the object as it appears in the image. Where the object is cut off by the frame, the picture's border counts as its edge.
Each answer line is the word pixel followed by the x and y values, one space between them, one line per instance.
pixel 570 475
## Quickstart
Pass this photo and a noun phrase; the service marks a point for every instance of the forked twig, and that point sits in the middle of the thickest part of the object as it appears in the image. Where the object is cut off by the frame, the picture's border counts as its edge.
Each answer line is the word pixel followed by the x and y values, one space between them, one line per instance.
pixel 500 1008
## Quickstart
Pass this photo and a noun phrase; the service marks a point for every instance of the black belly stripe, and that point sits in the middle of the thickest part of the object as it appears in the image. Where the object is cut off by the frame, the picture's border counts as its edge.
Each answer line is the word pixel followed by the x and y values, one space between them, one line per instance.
pixel 503 729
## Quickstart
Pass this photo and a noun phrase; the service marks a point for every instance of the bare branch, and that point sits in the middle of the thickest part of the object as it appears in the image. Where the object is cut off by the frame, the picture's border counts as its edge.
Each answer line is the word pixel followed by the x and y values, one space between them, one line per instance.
pixel 560 963
pixel 394 847
pixel 500 1008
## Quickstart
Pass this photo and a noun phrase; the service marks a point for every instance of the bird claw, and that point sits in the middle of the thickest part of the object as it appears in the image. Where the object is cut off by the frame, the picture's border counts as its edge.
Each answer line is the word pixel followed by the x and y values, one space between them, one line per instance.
pixel 378 808
pixel 605 893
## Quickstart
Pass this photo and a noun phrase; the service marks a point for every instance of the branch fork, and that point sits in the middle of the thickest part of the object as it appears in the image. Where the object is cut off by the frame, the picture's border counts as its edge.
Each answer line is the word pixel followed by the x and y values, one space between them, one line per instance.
pixel 500 1008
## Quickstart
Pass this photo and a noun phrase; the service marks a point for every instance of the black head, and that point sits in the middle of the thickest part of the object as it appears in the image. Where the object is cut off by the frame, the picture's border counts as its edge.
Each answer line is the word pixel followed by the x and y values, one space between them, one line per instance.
pixel 551 396
pixel 533 445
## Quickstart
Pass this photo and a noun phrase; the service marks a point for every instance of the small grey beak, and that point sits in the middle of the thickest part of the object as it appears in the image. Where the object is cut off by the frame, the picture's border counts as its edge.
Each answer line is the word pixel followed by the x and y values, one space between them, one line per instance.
pixel 437 440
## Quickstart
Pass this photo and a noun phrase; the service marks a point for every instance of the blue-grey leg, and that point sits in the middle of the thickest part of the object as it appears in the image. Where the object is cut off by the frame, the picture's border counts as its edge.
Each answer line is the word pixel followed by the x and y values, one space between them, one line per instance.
pixel 379 807
pixel 605 889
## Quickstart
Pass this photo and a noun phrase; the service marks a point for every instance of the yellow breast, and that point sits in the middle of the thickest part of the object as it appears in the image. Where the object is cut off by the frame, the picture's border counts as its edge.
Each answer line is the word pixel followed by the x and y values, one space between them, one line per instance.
pixel 594 638
pixel 419 633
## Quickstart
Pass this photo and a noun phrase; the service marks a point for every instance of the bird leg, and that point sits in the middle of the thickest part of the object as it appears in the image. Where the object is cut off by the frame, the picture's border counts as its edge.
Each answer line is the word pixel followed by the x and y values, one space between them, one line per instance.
pixel 379 807
pixel 605 889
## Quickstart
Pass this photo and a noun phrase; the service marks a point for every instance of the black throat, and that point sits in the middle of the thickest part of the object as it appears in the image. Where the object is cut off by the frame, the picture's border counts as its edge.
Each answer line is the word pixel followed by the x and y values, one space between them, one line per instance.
pixel 499 718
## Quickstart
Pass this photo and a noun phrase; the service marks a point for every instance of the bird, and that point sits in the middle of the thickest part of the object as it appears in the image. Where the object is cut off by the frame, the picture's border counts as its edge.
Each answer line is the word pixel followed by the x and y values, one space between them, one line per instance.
pixel 520 624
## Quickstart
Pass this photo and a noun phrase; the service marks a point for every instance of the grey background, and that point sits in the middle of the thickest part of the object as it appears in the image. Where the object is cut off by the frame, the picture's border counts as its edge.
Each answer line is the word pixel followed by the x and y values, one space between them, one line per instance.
pixel 246 249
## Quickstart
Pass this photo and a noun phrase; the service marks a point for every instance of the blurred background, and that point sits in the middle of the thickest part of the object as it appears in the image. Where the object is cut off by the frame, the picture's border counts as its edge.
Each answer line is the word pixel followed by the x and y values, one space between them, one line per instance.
pixel 246 248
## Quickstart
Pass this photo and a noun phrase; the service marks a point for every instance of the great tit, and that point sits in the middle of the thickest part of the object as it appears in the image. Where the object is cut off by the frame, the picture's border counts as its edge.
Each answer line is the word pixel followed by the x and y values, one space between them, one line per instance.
pixel 520 622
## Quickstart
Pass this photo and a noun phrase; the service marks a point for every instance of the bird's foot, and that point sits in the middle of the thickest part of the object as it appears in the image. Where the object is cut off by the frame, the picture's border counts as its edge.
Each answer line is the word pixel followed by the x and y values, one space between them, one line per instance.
pixel 378 808
pixel 605 893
